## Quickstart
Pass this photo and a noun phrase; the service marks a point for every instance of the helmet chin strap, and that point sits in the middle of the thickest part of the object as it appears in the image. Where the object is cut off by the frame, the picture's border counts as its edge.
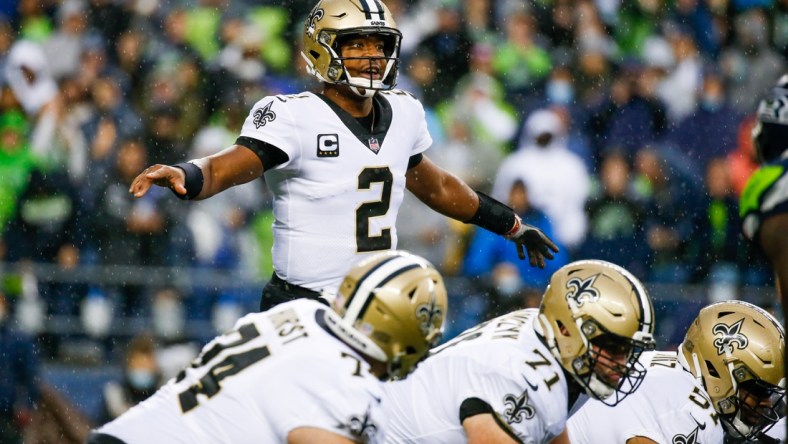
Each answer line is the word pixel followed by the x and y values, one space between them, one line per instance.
pixel 367 92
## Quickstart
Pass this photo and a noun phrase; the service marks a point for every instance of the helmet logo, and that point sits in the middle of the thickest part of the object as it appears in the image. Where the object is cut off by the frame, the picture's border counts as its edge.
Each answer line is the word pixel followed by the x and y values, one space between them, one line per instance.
pixel 517 408
pixel 582 290
pixel 316 15
pixel 428 314
pixel 730 337
pixel 263 115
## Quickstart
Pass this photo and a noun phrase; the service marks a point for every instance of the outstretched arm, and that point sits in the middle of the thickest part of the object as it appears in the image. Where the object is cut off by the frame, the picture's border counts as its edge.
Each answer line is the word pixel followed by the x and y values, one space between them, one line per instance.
pixel 233 166
pixel 450 196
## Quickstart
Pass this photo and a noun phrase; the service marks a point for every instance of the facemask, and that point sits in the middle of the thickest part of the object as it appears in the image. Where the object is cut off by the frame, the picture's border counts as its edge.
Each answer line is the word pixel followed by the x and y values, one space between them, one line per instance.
pixel 142 379
pixel 560 92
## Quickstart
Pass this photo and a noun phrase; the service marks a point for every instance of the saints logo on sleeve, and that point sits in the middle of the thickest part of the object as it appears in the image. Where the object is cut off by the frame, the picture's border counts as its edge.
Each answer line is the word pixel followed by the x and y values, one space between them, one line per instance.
pixel 361 427
pixel 263 115
pixel 517 408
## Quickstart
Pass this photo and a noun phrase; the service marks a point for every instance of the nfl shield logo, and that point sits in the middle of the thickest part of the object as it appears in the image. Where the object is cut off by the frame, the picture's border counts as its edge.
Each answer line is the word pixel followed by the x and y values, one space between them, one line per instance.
pixel 373 144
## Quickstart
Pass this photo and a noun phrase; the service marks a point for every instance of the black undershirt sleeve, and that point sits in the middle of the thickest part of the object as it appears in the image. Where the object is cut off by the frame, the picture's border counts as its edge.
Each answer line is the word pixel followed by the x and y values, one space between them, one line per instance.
pixel 475 406
pixel 270 155
pixel 414 160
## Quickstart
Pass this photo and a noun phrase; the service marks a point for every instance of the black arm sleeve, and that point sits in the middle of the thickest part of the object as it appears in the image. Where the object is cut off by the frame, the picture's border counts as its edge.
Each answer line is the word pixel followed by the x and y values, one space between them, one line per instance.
pixel 493 215
pixel 270 155
pixel 475 406
pixel 414 160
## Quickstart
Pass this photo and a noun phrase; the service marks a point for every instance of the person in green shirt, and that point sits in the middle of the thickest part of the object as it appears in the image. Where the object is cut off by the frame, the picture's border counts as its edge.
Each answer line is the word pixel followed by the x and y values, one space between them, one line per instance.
pixel 16 162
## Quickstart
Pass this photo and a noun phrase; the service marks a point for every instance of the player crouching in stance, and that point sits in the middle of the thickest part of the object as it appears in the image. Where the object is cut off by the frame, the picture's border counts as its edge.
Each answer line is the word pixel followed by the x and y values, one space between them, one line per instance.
pixel 301 372
pixel 727 377
pixel 513 379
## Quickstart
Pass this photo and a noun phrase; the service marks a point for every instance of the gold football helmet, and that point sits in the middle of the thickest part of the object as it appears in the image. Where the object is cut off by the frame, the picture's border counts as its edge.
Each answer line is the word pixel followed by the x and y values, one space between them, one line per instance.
pixel 397 301
pixel 331 22
pixel 736 350
pixel 597 319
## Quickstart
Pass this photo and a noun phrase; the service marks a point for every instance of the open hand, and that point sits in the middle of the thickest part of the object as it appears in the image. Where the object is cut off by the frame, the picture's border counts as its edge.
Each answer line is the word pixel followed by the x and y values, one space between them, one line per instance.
pixel 161 175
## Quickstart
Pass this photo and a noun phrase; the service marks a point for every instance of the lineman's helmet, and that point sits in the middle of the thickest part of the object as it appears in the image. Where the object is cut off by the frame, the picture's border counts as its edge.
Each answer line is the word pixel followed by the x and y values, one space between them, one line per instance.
pixel 397 301
pixel 593 310
pixel 736 349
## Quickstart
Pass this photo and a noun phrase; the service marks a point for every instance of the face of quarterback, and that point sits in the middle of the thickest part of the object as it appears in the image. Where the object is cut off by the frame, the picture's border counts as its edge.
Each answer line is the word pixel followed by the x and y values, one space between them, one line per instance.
pixel 364 57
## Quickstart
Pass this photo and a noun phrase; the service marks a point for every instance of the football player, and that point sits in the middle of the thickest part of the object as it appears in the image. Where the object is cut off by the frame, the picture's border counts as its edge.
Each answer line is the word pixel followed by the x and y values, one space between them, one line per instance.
pixel 727 377
pixel 514 378
pixel 764 201
pixel 301 372
pixel 338 162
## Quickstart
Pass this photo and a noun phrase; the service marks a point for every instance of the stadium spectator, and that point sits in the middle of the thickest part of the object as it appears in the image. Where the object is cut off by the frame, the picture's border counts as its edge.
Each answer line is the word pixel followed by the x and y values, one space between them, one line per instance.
pixel 543 162
pixel 302 372
pixel 141 378
pixel 671 220
pixel 491 258
pixel 718 233
pixel 514 378
pixel 710 130
pixel 19 384
pixel 713 385
pixel 348 113
pixel 616 218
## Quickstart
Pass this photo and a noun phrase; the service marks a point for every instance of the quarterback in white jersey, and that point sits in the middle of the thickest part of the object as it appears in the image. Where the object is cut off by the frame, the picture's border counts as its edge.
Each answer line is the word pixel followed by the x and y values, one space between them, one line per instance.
pixel 733 351
pixel 300 372
pixel 512 380
pixel 338 162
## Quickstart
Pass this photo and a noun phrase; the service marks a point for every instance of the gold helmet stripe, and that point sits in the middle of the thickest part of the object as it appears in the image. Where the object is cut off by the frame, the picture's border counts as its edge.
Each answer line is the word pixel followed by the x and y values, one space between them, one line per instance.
pixel 374 279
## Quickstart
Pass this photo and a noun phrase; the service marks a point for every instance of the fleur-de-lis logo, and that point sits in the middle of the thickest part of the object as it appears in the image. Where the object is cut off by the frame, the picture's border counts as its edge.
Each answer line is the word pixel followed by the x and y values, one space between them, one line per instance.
pixel 428 315
pixel 362 427
pixel 263 115
pixel 730 337
pixel 316 15
pixel 691 438
pixel 517 408
pixel 582 290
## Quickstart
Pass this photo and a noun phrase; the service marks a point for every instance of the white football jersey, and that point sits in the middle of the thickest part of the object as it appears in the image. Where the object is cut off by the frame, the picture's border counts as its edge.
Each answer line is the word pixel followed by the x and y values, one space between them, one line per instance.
pixel 669 407
pixel 338 195
pixel 274 372
pixel 502 362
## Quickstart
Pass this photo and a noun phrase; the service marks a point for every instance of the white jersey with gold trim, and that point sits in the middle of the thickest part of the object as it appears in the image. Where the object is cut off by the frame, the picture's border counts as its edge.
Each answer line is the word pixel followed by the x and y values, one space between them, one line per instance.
pixel 669 407
pixel 337 196
pixel 501 362
pixel 274 372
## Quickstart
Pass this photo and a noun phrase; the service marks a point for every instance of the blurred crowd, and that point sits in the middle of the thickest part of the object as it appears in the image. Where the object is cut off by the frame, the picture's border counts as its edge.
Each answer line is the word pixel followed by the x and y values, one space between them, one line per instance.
pixel 621 128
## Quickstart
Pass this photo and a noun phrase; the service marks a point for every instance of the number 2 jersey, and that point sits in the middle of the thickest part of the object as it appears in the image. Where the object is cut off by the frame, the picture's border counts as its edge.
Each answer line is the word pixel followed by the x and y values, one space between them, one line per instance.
pixel 765 195
pixel 338 194
pixel 670 406
pixel 501 362
pixel 274 372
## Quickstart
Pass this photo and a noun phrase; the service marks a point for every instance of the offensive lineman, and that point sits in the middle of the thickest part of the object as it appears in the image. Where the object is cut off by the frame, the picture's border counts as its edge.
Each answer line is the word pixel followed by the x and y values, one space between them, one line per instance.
pixel 301 372
pixel 514 378
pixel 727 377
pixel 338 162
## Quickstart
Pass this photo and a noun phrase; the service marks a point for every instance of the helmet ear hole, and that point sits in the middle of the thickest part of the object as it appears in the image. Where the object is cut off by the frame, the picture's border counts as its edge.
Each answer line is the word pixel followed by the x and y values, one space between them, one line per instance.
pixel 712 371
pixel 562 328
